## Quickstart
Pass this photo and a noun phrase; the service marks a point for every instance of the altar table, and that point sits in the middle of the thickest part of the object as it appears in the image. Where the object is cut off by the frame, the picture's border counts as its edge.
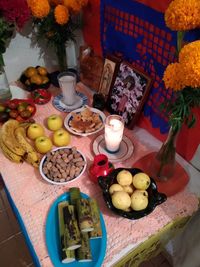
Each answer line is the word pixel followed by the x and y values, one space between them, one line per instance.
pixel 129 242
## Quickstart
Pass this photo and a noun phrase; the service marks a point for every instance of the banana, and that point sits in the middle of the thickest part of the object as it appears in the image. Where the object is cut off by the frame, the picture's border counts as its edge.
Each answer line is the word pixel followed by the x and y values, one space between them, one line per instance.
pixel 30 155
pixel 8 153
pixel 8 137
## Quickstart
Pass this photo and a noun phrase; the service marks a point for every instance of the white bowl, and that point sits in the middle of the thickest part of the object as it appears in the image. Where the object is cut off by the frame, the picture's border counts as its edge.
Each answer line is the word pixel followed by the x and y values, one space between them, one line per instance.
pixel 66 182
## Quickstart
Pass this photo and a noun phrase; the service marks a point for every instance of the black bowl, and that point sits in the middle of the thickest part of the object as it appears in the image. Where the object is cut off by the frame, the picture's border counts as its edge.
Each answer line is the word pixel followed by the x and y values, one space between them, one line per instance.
pixel 155 198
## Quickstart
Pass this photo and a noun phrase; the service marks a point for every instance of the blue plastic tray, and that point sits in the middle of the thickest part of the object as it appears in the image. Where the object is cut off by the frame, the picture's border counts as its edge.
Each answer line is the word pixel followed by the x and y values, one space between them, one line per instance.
pixel 98 245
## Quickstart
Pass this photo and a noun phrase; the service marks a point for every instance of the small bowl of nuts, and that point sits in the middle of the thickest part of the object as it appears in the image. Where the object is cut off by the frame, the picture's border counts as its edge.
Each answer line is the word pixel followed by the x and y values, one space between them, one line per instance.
pixel 62 165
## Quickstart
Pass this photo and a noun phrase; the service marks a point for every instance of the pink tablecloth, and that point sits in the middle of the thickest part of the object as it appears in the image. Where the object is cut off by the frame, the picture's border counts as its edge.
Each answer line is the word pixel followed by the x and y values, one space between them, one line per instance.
pixel 33 197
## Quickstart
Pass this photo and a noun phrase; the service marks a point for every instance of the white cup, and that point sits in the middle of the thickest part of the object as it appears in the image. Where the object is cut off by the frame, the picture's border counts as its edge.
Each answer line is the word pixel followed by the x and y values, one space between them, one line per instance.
pixel 114 128
pixel 67 83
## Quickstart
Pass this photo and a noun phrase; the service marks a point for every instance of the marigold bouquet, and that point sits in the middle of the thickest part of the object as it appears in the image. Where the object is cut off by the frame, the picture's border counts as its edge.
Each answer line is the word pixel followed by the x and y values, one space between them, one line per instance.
pixel 57 20
pixel 13 15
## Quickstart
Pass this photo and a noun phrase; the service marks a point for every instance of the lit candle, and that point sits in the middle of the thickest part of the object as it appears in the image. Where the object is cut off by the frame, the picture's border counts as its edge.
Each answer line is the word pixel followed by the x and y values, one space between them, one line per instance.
pixel 114 128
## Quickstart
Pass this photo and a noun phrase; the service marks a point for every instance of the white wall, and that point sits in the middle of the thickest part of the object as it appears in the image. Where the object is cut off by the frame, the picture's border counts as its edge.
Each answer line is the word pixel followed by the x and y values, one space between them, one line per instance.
pixel 24 51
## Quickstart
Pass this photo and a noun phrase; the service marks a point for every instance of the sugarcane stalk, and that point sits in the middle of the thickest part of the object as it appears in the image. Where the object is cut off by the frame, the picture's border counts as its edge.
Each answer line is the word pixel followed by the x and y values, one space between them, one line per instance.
pixel 72 239
pixel 83 254
pixel 84 215
pixel 97 232
pixel 66 255
pixel 74 195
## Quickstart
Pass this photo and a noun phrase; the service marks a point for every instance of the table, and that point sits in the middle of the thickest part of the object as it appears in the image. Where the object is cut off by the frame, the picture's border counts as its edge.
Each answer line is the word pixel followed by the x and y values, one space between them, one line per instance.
pixel 32 197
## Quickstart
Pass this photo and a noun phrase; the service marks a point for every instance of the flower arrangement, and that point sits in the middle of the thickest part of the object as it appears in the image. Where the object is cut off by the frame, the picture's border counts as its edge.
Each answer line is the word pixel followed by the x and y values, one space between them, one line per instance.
pixel 57 20
pixel 13 16
pixel 183 78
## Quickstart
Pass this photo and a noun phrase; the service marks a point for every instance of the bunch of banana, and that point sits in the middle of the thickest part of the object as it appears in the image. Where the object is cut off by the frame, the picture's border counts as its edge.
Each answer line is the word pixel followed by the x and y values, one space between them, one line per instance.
pixel 30 155
pixel 14 144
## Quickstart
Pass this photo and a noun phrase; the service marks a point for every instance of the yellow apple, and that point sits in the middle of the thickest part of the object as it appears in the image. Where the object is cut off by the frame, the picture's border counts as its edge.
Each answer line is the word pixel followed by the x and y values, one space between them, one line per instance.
pixel 115 188
pixel 35 130
pixel 124 177
pixel 61 137
pixel 43 144
pixel 139 201
pixel 141 181
pixel 54 122
pixel 121 200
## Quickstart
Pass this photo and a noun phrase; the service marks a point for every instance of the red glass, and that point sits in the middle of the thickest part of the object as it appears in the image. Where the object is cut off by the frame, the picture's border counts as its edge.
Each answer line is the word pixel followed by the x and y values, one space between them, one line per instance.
pixel 100 167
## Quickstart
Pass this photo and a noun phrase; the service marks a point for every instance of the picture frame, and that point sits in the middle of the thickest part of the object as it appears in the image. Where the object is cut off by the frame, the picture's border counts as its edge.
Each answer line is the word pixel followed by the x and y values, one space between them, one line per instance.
pixel 129 92
pixel 110 69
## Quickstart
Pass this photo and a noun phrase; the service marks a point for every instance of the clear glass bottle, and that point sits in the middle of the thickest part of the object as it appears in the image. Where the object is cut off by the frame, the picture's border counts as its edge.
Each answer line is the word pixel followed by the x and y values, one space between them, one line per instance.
pixel 5 93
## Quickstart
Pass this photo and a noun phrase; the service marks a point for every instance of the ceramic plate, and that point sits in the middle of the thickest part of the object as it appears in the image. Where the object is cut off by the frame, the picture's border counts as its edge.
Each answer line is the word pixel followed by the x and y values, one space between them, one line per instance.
pixel 70 116
pixel 98 245
pixel 58 103
pixel 61 183
pixel 125 151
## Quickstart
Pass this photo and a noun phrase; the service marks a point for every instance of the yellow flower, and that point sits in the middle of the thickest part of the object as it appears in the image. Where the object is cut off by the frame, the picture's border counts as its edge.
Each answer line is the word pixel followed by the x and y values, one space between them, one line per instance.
pixel 73 5
pixel 61 14
pixel 183 15
pixel 172 77
pixel 39 8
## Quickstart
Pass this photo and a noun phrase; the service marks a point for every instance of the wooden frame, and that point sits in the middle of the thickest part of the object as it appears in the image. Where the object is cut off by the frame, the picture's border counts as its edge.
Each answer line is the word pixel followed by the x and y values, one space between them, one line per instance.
pixel 110 69
pixel 129 93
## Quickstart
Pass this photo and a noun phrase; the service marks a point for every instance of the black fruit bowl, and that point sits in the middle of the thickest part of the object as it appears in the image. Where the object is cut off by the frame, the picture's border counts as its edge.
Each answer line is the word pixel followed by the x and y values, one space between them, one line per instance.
pixel 155 198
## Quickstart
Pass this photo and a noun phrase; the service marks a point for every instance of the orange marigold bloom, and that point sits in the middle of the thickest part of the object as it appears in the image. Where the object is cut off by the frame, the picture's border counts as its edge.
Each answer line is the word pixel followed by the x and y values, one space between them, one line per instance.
pixel 183 15
pixel 73 5
pixel 83 2
pixel 189 52
pixel 172 77
pixel 39 8
pixel 61 14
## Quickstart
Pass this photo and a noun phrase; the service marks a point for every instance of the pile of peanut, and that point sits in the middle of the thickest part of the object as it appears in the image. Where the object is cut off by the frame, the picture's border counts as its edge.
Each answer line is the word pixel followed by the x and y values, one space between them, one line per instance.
pixel 63 165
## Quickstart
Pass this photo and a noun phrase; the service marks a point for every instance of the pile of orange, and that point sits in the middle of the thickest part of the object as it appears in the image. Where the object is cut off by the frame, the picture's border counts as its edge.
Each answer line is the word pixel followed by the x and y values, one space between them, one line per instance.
pixel 37 76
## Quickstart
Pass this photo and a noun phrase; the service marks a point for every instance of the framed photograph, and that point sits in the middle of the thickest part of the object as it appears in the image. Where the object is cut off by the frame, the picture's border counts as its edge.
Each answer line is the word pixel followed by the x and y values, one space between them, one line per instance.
pixel 110 69
pixel 129 93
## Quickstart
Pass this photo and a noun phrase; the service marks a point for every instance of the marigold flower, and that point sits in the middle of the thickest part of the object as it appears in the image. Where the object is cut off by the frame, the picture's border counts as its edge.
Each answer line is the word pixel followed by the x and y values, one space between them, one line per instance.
pixel 73 5
pixel 173 77
pixel 55 2
pixel 61 14
pixel 183 15
pixel 83 2
pixel 190 51
pixel 39 8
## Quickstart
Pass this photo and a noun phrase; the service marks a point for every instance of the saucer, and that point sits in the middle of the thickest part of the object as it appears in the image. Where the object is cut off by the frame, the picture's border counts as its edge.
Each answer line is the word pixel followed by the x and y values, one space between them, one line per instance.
pixel 61 106
pixel 125 151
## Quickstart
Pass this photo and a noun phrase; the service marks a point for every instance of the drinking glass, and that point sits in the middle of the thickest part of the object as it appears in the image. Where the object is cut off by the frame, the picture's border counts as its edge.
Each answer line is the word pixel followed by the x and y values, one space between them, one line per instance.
pixel 67 83
pixel 114 128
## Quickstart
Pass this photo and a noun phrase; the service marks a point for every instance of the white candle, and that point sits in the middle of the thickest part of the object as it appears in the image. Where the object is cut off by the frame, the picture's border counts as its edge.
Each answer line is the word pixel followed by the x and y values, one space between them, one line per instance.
pixel 114 128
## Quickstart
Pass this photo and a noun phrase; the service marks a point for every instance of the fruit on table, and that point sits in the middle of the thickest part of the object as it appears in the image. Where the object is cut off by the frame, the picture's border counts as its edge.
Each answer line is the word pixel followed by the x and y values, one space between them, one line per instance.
pixel 42 71
pixel 115 188
pixel 128 189
pixel 4 116
pixel 141 181
pixel 61 137
pixel 139 201
pixel 36 76
pixel 13 114
pixel 2 108
pixel 124 177
pixel 30 71
pixel 121 200
pixel 40 96
pixel 35 130
pixel 43 144
pixel 54 122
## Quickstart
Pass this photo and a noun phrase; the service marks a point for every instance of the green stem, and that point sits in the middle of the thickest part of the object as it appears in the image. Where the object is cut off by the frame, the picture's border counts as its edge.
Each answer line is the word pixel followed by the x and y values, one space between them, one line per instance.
pixel 180 36
pixel 1 60
pixel 62 57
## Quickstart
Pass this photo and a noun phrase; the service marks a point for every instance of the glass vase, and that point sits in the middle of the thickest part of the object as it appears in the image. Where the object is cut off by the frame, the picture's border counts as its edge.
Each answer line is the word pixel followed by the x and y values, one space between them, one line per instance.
pixel 162 166
pixel 61 56
pixel 5 93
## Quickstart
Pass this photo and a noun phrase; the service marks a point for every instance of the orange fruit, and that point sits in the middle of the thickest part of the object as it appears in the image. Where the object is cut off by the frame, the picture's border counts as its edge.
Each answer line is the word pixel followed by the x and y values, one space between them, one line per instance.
pixel 42 71
pixel 45 79
pixel 30 71
pixel 37 79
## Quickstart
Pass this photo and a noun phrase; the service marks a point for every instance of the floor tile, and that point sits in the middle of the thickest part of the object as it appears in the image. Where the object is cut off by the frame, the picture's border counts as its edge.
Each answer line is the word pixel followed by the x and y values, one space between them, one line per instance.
pixel 6 230
pixel 1 204
pixel 5 199
pixel 13 221
pixel 24 255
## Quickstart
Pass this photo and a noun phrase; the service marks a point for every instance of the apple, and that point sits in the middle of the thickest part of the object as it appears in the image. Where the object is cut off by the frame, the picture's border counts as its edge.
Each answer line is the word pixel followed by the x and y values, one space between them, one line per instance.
pixel 54 122
pixel 61 137
pixel 43 144
pixel 139 201
pixel 35 130
pixel 141 181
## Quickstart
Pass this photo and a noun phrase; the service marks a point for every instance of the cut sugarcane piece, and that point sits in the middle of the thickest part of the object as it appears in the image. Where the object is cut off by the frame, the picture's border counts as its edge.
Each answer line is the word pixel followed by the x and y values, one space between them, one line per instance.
pixel 84 215
pixel 74 194
pixel 72 238
pixel 66 255
pixel 97 232
pixel 83 254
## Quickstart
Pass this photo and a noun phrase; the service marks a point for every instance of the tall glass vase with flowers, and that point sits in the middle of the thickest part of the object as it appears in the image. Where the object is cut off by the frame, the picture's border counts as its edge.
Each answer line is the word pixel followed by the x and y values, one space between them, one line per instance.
pixel 57 21
pixel 183 78
pixel 13 15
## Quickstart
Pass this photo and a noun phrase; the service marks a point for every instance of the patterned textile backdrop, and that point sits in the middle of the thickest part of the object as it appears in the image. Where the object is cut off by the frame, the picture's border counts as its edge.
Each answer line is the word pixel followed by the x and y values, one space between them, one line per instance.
pixel 138 32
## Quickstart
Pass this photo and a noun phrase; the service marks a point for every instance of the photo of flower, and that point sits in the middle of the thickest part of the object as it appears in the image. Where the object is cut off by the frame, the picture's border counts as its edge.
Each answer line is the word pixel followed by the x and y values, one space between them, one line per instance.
pixel 128 92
